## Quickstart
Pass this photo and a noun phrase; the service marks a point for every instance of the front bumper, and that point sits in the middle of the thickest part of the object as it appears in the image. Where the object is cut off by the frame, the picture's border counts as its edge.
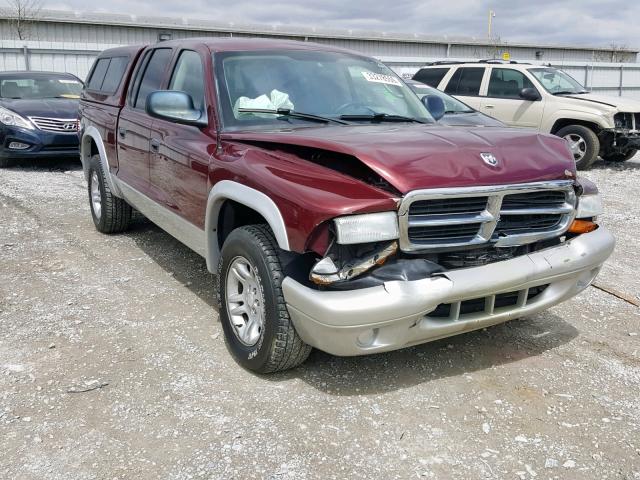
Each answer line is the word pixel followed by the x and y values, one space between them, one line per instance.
pixel 396 315
pixel 42 144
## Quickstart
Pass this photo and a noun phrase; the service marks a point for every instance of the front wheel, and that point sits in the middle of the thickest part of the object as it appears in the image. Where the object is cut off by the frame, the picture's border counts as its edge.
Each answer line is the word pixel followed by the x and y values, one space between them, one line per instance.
pixel 256 323
pixel 583 143
pixel 5 162
pixel 620 156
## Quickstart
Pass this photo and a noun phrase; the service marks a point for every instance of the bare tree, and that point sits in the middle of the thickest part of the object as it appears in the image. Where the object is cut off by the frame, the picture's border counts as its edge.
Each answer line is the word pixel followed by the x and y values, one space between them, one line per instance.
pixel 619 53
pixel 21 15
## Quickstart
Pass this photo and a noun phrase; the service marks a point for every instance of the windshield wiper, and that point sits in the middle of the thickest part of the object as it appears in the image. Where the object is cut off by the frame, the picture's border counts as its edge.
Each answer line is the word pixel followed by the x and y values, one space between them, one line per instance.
pixel 568 92
pixel 286 112
pixel 381 117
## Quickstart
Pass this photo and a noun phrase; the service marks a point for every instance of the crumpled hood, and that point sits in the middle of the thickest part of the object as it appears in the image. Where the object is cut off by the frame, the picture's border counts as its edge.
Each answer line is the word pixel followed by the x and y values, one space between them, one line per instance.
pixel 607 103
pixel 417 156
pixel 64 108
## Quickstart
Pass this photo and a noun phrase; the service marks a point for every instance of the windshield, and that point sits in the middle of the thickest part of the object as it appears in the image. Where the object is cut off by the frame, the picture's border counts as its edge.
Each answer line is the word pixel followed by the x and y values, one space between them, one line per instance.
pixel 40 87
pixel 451 105
pixel 334 86
pixel 556 81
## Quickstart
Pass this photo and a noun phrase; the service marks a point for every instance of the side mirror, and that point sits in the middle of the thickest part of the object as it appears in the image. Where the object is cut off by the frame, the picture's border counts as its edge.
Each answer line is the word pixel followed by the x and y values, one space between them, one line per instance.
pixel 530 94
pixel 435 105
pixel 174 106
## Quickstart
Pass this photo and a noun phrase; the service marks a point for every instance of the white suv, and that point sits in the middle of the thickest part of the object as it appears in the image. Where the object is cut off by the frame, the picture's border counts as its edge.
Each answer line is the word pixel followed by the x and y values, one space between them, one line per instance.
pixel 547 99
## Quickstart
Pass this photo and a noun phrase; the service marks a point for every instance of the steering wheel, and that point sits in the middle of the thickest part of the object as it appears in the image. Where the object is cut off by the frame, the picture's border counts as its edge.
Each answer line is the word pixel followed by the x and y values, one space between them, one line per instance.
pixel 342 109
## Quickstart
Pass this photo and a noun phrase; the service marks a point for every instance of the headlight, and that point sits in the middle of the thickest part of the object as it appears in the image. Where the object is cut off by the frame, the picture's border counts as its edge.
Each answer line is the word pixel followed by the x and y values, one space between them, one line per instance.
pixel 13 119
pixel 589 206
pixel 370 227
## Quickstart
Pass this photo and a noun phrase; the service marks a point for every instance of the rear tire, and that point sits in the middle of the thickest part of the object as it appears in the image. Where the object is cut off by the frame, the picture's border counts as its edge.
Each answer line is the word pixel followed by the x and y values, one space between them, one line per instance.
pixel 256 323
pixel 584 144
pixel 110 214
pixel 620 156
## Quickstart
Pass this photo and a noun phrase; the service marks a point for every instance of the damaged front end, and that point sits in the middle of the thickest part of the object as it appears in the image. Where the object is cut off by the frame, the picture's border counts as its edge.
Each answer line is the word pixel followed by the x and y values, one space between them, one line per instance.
pixel 441 230
pixel 625 136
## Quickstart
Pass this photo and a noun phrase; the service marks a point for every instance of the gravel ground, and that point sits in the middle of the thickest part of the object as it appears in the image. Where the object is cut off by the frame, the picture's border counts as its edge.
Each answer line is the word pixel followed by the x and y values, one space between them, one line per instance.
pixel 113 365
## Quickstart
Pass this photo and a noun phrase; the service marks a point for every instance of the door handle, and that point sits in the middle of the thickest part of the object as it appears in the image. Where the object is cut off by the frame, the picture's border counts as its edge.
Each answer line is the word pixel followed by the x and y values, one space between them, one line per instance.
pixel 489 106
pixel 155 144
pixel 122 132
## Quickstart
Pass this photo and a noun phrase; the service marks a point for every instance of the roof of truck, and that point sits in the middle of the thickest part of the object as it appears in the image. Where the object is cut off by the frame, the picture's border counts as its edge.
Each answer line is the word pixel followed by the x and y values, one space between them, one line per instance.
pixel 244 44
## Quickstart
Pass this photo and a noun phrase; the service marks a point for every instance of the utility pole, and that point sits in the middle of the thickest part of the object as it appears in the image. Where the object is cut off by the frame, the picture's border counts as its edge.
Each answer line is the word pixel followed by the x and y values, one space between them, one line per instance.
pixel 492 14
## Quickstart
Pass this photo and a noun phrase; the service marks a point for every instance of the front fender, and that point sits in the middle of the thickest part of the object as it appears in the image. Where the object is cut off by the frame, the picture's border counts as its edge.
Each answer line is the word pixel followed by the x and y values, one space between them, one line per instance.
pixel 254 199
pixel 601 121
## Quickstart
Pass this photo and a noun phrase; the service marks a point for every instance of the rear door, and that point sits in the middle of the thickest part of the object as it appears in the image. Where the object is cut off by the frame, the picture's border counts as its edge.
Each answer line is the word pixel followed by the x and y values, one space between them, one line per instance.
pixel 134 125
pixel 179 160
pixel 465 83
pixel 503 99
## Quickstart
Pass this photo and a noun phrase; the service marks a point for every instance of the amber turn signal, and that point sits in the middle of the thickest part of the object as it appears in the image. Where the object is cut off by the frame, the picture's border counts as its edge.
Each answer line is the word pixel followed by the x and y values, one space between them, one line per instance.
pixel 582 226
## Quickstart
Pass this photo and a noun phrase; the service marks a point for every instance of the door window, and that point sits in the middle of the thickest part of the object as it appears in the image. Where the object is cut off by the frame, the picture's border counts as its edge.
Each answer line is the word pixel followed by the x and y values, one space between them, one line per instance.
pixel 99 71
pixel 431 76
pixel 466 82
pixel 188 77
pixel 152 76
pixel 507 83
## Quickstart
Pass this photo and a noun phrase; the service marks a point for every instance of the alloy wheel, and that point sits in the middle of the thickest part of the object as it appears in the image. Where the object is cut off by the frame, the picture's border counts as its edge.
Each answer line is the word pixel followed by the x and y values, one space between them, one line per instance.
pixel 578 146
pixel 245 301
pixel 96 196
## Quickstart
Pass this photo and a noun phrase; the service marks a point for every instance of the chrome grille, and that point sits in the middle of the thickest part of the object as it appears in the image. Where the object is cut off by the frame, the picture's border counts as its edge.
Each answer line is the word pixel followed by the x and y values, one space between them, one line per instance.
pixel 58 125
pixel 502 215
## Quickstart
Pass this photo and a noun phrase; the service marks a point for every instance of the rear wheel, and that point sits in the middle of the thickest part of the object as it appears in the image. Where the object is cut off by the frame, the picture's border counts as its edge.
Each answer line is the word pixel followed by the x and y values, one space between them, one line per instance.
pixel 620 156
pixel 256 323
pixel 110 214
pixel 583 143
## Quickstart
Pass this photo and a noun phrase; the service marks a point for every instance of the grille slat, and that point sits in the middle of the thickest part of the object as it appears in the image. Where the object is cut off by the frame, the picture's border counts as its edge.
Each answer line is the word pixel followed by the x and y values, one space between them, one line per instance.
pixel 504 215
pixel 449 206
pixel 489 304
pixel 58 125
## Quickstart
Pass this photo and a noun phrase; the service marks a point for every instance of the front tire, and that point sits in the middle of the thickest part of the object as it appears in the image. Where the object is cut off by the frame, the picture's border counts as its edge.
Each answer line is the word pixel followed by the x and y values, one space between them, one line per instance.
pixel 5 162
pixel 620 156
pixel 584 144
pixel 110 214
pixel 256 323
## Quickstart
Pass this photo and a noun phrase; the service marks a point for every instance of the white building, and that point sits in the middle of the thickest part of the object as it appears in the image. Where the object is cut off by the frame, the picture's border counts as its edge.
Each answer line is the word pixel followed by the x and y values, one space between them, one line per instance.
pixel 69 41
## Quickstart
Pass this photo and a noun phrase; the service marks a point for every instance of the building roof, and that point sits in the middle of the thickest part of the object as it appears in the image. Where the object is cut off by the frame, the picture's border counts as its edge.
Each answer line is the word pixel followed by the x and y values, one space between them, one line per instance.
pixel 191 24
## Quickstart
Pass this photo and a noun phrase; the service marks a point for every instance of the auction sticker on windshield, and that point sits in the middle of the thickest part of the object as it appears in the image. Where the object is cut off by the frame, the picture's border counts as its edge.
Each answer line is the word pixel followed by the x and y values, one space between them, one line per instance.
pixel 381 78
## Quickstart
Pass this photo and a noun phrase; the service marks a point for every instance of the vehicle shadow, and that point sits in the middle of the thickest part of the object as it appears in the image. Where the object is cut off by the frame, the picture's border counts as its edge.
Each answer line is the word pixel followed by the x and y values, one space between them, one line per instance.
pixel 450 357
pixel 186 266
pixel 379 373
pixel 54 164
pixel 616 166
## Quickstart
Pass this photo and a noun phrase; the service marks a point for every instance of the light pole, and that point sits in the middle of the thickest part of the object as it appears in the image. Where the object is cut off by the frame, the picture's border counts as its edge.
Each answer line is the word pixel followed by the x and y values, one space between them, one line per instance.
pixel 491 15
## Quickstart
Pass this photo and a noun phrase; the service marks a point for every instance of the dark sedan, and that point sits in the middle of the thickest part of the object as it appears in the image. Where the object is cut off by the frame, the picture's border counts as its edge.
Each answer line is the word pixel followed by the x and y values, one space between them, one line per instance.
pixel 38 115
pixel 456 113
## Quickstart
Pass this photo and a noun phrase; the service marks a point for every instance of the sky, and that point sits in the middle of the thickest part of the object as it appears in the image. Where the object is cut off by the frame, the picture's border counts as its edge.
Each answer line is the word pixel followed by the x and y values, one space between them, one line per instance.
pixel 584 22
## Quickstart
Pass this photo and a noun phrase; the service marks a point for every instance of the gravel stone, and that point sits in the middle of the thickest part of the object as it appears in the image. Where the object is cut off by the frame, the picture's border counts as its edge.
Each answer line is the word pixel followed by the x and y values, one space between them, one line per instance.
pixel 134 313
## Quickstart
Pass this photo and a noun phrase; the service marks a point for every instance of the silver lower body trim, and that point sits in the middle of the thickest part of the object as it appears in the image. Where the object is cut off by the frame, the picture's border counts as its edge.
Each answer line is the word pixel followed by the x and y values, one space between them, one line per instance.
pixel 172 223
pixel 396 315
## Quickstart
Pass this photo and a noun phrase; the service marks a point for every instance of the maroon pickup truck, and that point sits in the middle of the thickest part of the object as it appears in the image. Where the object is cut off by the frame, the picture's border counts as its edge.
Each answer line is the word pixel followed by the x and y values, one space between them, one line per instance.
pixel 333 210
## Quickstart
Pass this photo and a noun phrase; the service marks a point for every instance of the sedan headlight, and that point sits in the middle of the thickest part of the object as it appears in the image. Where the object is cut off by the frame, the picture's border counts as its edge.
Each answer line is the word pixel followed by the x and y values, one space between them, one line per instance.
pixel 370 227
pixel 12 119
pixel 589 206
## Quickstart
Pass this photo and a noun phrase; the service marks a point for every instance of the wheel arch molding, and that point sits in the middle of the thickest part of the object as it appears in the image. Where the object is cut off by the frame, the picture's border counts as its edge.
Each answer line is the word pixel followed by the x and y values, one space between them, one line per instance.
pixel 90 143
pixel 228 190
